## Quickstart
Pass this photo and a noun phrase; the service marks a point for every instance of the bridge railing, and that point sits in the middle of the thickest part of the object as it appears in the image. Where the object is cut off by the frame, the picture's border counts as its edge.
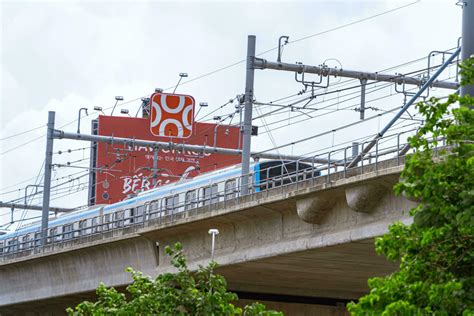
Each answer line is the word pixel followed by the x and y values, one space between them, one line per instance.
pixel 207 198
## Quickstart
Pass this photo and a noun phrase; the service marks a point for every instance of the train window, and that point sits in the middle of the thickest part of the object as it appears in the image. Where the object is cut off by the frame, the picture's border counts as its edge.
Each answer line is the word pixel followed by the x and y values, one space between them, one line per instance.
pixel 209 193
pixel 94 225
pixel 190 200
pixel 215 195
pixel 206 193
pixel 53 234
pixel 25 242
pixel 67 231
pixel 154 206
pixel 168 203
pixel 154 209
pixel 82 227
pixel 171 202
pixel 118 218
pixel 230 189
pixel 106 221
pixel 138 214
pixel 1 247
pixel 12 244
pixel 37 239
pixel 129 216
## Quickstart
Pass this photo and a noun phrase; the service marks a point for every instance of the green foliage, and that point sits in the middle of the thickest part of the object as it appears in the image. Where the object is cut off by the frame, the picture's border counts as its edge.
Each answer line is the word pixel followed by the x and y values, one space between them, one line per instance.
pixel 181 293
pixel 436 252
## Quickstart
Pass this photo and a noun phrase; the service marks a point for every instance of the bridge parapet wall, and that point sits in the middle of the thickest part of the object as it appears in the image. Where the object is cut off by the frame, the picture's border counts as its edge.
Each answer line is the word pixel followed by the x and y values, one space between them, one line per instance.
pixel 267 224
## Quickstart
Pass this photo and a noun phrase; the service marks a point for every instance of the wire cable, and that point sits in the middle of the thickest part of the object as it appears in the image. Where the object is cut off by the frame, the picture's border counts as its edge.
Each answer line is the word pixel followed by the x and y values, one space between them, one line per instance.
pixel 22 133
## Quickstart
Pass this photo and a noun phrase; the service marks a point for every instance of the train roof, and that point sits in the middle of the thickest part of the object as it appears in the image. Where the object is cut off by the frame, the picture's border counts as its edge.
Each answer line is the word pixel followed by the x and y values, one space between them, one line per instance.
pixel 198 181
pixel 187 180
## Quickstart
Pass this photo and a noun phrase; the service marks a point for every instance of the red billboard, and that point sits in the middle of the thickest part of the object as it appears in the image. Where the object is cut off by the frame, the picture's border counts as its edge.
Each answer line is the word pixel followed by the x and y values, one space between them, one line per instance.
pixel 122 171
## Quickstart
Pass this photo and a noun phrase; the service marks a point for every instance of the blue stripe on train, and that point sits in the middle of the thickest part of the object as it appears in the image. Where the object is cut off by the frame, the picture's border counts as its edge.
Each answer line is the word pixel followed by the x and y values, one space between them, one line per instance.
pixel 173 188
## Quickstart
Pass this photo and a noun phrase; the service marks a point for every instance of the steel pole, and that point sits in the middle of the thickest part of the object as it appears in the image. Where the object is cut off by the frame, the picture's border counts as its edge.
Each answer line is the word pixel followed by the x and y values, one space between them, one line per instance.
pixel 34 207
pixel 247 126
pixel 155 166
pixel 260 63
pixel 363 83
pixel 92 165
pixel 404 108
pixel 467 43
pixel 175 146
pixel 48 165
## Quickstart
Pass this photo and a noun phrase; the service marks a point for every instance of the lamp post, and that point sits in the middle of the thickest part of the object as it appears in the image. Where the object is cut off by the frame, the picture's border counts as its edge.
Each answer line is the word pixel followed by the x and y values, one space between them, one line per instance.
pixel 181 76
pixel 117 99
pixel 79 119
pixel 213 232
pixel 201 105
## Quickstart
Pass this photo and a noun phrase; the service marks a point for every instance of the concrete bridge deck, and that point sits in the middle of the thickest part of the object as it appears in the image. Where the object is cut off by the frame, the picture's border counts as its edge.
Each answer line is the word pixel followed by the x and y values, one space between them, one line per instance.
pixel 313 239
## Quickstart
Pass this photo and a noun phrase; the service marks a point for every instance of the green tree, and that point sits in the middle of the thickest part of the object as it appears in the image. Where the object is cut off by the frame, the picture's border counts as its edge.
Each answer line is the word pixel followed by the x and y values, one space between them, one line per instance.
pixel 181 293
pixel 436 252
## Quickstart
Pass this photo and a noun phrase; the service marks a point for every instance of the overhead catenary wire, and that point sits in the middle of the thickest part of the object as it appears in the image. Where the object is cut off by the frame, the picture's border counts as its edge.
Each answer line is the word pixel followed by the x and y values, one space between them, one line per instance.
pixel 302 39
pixel 28 200
pixel 337 103
pixel 314 109
pixel 22 133
pixel 265 52
pixel 282 107
pixel 349 81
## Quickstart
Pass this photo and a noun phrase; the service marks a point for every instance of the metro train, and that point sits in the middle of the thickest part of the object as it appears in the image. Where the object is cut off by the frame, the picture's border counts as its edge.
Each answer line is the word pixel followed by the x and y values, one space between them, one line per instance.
pixel 209 188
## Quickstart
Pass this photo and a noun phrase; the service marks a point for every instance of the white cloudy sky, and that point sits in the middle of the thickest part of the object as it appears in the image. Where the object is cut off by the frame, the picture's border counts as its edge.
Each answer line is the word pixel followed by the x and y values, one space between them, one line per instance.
pixel 62 56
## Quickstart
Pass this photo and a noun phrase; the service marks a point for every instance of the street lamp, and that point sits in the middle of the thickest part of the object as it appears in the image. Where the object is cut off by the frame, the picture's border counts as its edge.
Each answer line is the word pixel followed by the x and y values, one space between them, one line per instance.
pixel 117 99
pixel 98 109
pixel 213 232
pixel 181 76
pixel 79 119
pixel 201 105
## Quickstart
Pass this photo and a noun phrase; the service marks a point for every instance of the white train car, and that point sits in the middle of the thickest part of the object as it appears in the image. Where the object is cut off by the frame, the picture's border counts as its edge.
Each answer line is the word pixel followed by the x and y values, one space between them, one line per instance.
pixel 181 196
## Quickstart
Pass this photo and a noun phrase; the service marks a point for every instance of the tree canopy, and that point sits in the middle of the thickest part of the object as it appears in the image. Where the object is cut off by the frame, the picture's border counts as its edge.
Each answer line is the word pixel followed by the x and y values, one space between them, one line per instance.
pixel 180 293
pixel 436 251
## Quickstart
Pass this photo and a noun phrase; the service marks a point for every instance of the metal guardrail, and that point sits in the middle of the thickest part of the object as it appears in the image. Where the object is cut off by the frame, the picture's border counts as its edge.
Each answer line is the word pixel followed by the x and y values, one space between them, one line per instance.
pixel 203 199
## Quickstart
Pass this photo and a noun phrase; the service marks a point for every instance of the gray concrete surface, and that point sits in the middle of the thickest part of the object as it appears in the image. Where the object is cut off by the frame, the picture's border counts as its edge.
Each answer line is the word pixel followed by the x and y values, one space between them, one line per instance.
pixel 265 244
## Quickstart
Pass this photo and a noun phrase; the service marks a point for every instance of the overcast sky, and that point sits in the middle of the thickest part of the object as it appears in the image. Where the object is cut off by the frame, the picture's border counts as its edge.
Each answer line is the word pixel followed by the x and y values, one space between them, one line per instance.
pixel 62 56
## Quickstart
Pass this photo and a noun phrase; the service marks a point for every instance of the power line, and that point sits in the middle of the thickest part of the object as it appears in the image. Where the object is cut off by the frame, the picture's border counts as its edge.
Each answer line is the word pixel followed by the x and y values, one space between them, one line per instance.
pixel 354 22
pixel 340 90
pixel 265 52
pixel 22 133
pixel 22 145
pixel 337 103
pixel 348 81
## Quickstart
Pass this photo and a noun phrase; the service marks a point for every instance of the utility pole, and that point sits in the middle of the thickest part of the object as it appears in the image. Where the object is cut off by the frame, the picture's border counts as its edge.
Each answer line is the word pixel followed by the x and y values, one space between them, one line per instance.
pixel 247 126
pixel 467 38
pixel 363 83
pixel 48 165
